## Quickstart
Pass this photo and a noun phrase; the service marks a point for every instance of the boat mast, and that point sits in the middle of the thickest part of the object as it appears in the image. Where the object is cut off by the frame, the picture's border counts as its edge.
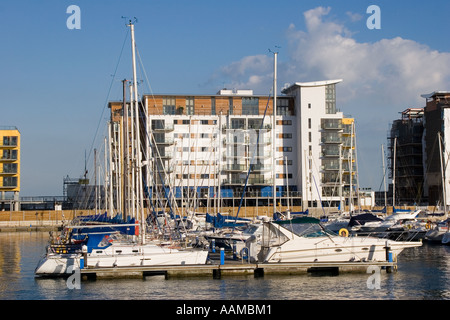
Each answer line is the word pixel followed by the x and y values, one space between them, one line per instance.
pixel 138 162
pixel 443 176
pixel 274 176
pixel 393 173
pixel 384 176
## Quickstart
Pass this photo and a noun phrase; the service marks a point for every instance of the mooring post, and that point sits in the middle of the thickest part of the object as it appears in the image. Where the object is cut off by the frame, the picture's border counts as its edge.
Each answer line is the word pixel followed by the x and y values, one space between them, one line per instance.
pixel 85 252
pixel 222 256
pixel 388 257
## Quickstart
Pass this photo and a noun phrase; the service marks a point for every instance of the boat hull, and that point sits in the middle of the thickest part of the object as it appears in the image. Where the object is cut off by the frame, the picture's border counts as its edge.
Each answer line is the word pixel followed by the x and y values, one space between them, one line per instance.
pixel 338 249
pixel 119 256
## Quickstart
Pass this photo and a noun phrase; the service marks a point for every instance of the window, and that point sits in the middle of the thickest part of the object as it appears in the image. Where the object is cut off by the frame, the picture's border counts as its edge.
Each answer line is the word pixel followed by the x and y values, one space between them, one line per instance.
pixel 237 123
pixel 330 99
pixel 309 137
pixel 213 106
pixel 169 105
pixel 190 105
pixel 250 106
pixel 309 105
pixel 10 141
pixel 203 121
pixel 254 123
pixel 230 106
pixel 285 162
pixel 159 137
pixel 10 168
pixel 10 181
pixel 283 176
pixel 283 107
pixel 286 136
pixel 284 122
pixel 287 149
pixel 157 124
pixel 9 155
pixel 309 123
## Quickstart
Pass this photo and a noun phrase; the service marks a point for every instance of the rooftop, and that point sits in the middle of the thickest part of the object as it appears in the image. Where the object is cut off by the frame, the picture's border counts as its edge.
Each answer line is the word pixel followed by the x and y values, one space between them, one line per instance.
pixel 311 84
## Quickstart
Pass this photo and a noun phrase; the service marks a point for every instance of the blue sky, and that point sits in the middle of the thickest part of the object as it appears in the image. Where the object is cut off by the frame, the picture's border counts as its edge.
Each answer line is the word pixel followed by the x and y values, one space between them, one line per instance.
pixel 55 82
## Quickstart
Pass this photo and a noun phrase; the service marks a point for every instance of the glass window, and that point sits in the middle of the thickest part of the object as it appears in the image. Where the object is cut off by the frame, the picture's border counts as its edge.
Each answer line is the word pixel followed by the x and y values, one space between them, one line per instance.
pixel 250 106
pixel 254 123
pixel 237 123
pixel 169 105
pixel 157 124
pixel 283 107
pixel 330 99
pixel 190 105
pixel 213 106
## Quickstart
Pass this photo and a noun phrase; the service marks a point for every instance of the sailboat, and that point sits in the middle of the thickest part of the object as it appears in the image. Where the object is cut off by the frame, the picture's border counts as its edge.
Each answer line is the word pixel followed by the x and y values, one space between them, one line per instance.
pixel 107 248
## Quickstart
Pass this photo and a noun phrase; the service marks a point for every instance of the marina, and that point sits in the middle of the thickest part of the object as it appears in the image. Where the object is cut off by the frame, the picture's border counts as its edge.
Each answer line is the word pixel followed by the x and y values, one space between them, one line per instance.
pixel 206 197
pixel 423 274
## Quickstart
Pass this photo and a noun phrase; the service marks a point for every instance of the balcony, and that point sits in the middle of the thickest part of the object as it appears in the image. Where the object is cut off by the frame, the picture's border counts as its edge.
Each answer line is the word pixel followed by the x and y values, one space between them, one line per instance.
pixel 261 167
pixel 8 155
pixel 235 167
pixel 167 141
pixel 8 183
pixel 331 124
pixel 162 127
pixel 234 181
pixel 260 181
pixel 331 138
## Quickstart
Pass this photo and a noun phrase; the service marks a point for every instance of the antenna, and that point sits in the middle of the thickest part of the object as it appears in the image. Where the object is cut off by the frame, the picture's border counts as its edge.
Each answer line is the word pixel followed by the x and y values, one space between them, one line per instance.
pixel 278 47
pixel 129 20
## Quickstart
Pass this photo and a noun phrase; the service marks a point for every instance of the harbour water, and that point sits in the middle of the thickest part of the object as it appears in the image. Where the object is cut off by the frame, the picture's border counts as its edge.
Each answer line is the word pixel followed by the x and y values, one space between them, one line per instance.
pixel 423 274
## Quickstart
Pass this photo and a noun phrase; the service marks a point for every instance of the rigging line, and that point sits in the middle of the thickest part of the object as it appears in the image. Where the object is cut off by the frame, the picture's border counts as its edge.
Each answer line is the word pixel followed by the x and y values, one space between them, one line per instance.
pixel 109 92
pixel 145 75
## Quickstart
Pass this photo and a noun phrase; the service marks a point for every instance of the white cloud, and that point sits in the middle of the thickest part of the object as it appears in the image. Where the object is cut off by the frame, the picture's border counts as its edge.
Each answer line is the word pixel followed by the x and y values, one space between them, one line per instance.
pixel 354 17
pixel 381 78
pixel 397 68
pixel 251 72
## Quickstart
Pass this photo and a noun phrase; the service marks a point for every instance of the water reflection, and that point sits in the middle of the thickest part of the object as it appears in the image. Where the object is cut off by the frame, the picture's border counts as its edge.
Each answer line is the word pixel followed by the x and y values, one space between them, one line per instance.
pixel 423 274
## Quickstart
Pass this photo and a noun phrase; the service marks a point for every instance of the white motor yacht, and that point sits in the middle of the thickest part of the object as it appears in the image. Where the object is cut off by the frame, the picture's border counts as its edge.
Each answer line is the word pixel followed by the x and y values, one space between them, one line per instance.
pixel 305 240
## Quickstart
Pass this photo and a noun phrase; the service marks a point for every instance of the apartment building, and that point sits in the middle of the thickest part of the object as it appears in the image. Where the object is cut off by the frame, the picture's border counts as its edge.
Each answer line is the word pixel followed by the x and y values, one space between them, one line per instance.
pixel 436 138
pixel 406 157
pixel 210 147
pixel 9 166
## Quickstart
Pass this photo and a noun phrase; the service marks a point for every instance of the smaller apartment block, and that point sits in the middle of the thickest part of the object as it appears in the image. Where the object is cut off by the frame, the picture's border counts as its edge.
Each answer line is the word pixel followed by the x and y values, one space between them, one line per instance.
pixel 419 153
pixel 9 163
pixel 437 125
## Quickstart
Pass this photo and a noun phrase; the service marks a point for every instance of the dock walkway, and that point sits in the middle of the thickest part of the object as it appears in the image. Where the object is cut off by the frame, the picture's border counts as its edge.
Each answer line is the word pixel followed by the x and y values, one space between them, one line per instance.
pixel 236 268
